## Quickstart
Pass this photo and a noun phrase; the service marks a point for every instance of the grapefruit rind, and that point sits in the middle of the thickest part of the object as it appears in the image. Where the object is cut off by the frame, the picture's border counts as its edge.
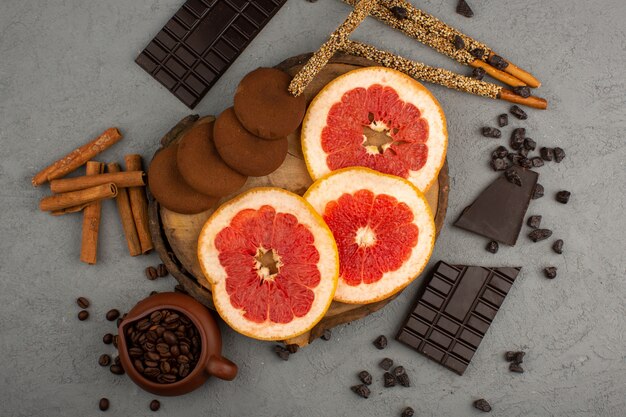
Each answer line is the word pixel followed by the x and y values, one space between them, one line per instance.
pixel 285 202
pixel 349 180
pixel 408 89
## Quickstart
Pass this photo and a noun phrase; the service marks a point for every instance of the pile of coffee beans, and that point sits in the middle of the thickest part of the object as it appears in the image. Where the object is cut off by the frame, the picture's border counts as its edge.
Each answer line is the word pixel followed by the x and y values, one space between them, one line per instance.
pixel 164 347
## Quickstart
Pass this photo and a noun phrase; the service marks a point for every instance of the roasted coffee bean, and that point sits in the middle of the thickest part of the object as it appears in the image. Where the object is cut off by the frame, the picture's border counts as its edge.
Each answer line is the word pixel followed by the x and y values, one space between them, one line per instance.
pixel 389 380
pixel 143 325
pixel 116 369
pixel 404 380
pixel 407 412
pixel 149 347
pixel 493 246
pixel 559 154
pixel 547 154
pixel 82 302
pixel 184 349
pixel 386 364
pixel 160 330
pixel 326 335
pixel 399 13
pixel 557 246
pixel 534 222
pixel 563 196
pixel 550 272
pixel 365 377
pixel 464 9
pixel 107 339
pixel 183 370
pixel 503 120
pixel 491 132
pixel 104 360
pixel 151 336
pixel 518 112
pixel 135 352
pixel 171 318
pixel 513 177
pixel 361 390
pixel 151 273
pixel 539 234
pixel 166 378
pixel 103 405
pixel 281 352
pixel 477 53
pixel 523 152
pixel 138 364
pixel 170 338
pixel 537 192
pixel 117 360
pixel 515 367
pixel 175 351
pixel 162 271
pixel 292 348
pixel 153 356
pixel 530 144
pixel 399 370
pixel 458 42
pixel 517 138
pixel 380 342
pixel 165 367
pixel 112 315
pixel 498 62
pixel 525 163
pixel 482 405
pixel 151 372
pixel 162 347
pixel 184 358
pixel 83 315
pixel 478 73
pixel 499 164
pixel 537 162
pixel 155 405
pixel 523 91
pixel 500 152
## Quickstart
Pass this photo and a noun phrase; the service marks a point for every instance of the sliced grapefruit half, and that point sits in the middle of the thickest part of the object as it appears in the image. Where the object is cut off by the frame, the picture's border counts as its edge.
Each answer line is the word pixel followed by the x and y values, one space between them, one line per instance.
pixel 377 118
pixel 383 227
pixel 272 263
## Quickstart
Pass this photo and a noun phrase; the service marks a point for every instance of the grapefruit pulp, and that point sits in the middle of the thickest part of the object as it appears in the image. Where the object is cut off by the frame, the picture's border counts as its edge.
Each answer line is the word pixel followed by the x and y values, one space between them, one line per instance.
pixel 272 263
pixel 377 118
pixel 383 228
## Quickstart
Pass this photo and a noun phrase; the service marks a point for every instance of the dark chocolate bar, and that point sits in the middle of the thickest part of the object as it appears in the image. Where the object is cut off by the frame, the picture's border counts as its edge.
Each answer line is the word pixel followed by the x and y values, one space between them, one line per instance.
pixel 198 44
pixel 454 312
pixel 498 212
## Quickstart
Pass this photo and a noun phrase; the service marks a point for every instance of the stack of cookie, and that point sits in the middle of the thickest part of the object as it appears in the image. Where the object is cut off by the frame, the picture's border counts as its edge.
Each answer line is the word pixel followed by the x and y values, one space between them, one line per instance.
pixel 214 159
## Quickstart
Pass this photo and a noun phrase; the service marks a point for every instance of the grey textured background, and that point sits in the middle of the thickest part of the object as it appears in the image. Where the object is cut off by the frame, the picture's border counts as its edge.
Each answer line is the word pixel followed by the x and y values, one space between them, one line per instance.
pixel 67 73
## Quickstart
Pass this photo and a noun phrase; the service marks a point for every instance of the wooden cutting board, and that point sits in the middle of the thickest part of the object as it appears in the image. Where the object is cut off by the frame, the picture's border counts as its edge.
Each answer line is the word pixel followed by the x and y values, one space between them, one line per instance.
pixel 175 235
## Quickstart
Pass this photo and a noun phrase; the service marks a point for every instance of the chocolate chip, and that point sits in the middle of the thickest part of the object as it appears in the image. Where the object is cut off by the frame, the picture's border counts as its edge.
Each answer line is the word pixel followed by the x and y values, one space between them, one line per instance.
pixel 503 120
pixel 389 380
pixel 82 302
pixel 292 348
pixel 539 234
pixel 380 342
pixel 530 144
pixel 498 62
pixel 547 154
pixel 515 367
pixel 399 370
pixel 537 192
pixel 326 335
pixel 534 222
pixel 515 356
pixel 407 412
pixel 557 246
pixel 482 405
pixel 517 112
pixel 563 196
pixel 404 380
pixel 537 162
pixel 112 315
pixel 525 163
pixel 365 377
pixel 281 352
pixel 155 405
pixel 464 9
pixel 458 42
pixel 523 152
pixel 517 138
pixel 493 246
pixel 386 364
pixel 550 272
pixel 477 53
pixel 103 405
pixel 515 158
pixel 523 91
pixel 361 390
pixel 499 164
pixel 83 315
pixel 559 154
pixel 478 73
pixel 513 177
pixel 491 132
pixel 399 13
pixel 500 152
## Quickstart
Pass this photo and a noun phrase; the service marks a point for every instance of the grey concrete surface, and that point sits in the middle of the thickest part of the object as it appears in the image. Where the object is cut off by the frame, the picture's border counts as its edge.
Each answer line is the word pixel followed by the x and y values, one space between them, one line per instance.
pixel 67 72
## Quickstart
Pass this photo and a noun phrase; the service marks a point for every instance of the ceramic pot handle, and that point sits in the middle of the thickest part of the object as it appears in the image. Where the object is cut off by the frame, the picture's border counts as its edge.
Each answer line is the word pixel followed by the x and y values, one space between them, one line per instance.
pixel 221 368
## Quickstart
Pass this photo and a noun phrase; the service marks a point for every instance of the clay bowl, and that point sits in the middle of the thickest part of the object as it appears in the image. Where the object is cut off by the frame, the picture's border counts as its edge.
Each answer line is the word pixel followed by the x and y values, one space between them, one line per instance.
pixel 211 361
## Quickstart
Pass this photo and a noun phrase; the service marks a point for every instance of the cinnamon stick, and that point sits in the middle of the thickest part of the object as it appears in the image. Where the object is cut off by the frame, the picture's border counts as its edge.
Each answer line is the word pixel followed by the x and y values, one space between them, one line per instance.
pixel 139 205
pixel 126 215
pixel 78 157
pixel 91 221
pixel 73 209
pixel 77 198
pixel 121 179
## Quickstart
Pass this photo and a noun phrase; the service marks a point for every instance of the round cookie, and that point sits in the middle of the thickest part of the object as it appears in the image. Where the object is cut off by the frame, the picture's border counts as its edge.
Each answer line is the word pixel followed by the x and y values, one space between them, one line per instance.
pixel 265 107
pixel 202 167
pixel 245 152
pixel 170 190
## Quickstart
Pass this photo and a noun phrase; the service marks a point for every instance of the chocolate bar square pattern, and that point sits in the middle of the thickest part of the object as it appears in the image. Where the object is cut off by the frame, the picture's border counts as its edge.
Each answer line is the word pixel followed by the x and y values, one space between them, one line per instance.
pixel 200 42
pixel 454 312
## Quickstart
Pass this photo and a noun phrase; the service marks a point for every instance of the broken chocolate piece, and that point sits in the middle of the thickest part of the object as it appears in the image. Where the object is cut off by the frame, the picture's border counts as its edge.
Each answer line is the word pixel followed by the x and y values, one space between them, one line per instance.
pixel 534 222
pixel 491 132
pixel 380 342
pixel 525 163
pixel 365 377
pixel 493 246
pixel 559 154
pixel 517 138
pixel 537 191
pixel 523 152
pixel 478 73
pixel 557 246
pixel 513 177
pixel 503 120
pixel 498 62
pixel 361 390
pixel 530 144
pixel 538 235
pixel 516 111
pixel 522 91
pixel 404 380
pixel 515 367
pixel 563 196
pixel 389 380
pixel 400 13
pixel 537 162
pixel 499 164
pixel 482 405
pixel 514 356
pixel 464 9
pixel 386 364
pixel 407 412
pixel 500 152
pixel 458 42
pixel 547 154
pixel 550 272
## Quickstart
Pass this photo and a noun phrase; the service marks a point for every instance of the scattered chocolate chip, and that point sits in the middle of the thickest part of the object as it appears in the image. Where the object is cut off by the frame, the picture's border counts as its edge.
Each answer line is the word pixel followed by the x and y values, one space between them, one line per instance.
pixel 83 315
pixel 537 162
pixel 386 364
pixel 361 390
pixel 539 234
pixel 503 120
pixel 482 405
pixel 281 352
pixel 523 91
pixel 517 112
pixel 155 405
pixel 477 53
pixel 107 339
pixel 458 42
pixel 559 154
pixel 399 370
pixel 515 158
pixel 513 177
pixel 547 154
pixel 563 196
pixel 515 367
pixel 112 315
pixel 515 356
pixel 537 192
pixel 380 342
pixel 82 302
pixel 103 405
pixel 500 152
pixel 292 348
pixel 365 377
pixel 326 335
pixel 525 163
pixel 151 273
pixel 530 144
pixel 491 132
pixel 399 12
pixel 404 380
pixel 407 412
pixel 464 9
pixel 534 222
pixel 517 138
pixel 557 246
pixel 499 164
pixel 389 380
pixel 523 152
pixel 478 73
pixel 498 62
pixel 104 360
pixel 493 246
pixel 550 272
